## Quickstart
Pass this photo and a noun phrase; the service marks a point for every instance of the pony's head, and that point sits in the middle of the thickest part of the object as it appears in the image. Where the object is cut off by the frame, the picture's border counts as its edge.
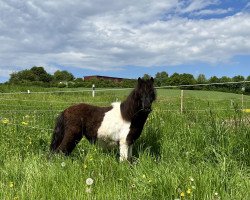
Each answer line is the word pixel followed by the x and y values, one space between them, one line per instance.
pixel 145 93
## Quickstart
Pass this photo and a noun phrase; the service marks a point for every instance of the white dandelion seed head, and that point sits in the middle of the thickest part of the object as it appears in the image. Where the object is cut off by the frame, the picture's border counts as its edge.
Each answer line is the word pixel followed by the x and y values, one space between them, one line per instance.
pixel 216 194
pixel 191 179
pixel 63 164
pixel 89 181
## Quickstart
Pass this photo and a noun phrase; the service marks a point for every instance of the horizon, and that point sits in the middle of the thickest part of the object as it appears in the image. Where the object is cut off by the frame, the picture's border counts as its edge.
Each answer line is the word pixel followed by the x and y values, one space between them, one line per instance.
pixel 124 39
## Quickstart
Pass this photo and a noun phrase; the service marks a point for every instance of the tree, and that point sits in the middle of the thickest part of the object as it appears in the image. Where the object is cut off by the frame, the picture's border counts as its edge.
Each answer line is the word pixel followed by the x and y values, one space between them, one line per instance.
pixel 224 79
pixel 238 78
pixel 187 79
pixel 214 79
pixel 175 79
pixel 201 79
pixel 30 75
pixel 63 76
pixel 21 76
pixel 41 74
pixel 161 78
pixel 146 77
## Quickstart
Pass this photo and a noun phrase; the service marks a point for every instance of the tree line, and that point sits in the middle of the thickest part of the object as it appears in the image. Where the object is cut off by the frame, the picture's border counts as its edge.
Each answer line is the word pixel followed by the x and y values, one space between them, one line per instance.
pixel 39 76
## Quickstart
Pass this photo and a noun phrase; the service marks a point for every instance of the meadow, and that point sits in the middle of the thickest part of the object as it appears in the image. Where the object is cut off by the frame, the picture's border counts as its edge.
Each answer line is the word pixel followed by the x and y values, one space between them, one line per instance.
pixel 203 153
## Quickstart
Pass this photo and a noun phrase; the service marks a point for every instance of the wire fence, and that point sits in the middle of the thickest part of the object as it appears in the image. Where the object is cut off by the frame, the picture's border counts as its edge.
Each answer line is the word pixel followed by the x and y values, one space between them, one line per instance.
pixel 45 106
pixel 179 100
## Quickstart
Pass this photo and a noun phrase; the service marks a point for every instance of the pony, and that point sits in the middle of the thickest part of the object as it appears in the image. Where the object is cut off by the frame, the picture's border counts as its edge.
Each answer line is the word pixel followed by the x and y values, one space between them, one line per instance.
pixel 119 124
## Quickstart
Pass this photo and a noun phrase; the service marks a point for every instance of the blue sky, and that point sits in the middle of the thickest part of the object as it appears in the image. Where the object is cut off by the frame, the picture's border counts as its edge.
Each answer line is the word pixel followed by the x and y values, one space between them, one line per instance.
pixel 126 38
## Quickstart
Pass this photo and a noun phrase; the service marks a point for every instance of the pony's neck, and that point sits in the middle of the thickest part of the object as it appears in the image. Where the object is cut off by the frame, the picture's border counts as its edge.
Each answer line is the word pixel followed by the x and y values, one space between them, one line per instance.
pixel 130 107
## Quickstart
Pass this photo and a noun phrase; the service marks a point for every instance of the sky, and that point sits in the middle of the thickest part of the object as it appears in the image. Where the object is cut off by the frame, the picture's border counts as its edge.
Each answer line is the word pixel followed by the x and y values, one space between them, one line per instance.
pixel 126 38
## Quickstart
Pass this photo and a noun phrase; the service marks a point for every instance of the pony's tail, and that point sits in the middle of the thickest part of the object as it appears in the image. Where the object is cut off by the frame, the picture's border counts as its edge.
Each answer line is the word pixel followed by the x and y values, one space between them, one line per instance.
pixel 58 133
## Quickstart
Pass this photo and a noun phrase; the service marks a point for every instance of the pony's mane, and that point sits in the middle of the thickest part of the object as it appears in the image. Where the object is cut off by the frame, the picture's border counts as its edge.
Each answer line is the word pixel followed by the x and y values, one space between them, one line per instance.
pixel 130 105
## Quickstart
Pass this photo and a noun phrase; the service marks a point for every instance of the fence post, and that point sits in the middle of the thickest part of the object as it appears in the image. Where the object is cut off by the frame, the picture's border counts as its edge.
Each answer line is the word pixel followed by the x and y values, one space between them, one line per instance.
pixel 181 101
pixel 93 90
pixel 242 101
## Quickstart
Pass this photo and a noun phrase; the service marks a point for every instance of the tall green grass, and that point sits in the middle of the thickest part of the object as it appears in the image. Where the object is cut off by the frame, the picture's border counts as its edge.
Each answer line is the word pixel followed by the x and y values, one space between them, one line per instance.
pixel 194 155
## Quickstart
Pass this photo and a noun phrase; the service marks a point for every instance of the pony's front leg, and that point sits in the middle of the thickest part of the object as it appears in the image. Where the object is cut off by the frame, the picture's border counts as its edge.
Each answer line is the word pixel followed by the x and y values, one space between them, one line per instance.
pixel 124 151
pixel 130 153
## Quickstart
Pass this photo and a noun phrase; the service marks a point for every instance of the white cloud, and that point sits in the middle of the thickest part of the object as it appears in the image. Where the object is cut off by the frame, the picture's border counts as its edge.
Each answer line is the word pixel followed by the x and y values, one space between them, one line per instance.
pixel 195 5
pixel 5 73
pixel 106 35
pixel 212 12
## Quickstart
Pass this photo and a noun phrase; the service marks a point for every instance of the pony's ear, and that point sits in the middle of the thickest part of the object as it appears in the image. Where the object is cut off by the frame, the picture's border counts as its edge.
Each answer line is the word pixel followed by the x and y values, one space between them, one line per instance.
pixel 152 79
pixel 139 80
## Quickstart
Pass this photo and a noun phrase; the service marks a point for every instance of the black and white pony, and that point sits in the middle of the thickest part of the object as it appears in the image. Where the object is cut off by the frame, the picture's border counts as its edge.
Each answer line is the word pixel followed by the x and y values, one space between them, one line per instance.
pixel 121 123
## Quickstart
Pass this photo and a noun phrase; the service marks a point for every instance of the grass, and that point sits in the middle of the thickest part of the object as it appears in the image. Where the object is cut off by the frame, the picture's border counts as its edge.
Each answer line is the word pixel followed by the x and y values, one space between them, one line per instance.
pixel 201 154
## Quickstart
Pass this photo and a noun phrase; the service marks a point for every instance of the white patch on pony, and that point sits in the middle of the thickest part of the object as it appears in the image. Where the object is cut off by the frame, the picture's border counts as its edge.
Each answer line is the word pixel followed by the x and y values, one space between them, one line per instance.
pixel 114 130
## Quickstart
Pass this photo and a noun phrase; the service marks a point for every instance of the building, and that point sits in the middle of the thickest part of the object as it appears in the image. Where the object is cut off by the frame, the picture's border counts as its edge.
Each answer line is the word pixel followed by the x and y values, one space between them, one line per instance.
pixel 115 79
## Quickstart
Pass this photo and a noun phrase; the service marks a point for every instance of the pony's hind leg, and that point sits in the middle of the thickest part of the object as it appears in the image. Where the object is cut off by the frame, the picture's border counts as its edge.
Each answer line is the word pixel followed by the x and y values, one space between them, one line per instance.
pixel 70 140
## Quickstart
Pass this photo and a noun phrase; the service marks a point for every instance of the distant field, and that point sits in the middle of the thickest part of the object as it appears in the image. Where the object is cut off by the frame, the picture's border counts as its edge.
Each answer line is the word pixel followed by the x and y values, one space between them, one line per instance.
pixel 203 153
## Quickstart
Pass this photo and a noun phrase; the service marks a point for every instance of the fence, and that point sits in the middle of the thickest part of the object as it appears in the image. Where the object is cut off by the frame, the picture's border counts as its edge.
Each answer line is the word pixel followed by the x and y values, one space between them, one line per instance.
pixel 178 93
pixel 45 105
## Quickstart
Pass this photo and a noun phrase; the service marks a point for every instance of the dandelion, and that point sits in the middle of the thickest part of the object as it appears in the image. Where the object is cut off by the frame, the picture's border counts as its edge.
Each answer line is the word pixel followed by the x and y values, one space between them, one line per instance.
pixel 11 184
pixel 182 194
pixel 90 158
pixel 191 179
pixel 24 123
pixel 5 121
pixel 63 164
pixel 246 110
pixel 189 191
pixel 89 181
pixel 216 195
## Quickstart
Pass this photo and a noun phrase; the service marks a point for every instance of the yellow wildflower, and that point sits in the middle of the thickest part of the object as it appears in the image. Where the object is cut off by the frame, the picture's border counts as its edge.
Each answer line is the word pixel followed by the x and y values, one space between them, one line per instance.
pixel 246 110
pixel 182 194
pixel 11 184
pixel 189 191
pixel 24 123
pixel 5 121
